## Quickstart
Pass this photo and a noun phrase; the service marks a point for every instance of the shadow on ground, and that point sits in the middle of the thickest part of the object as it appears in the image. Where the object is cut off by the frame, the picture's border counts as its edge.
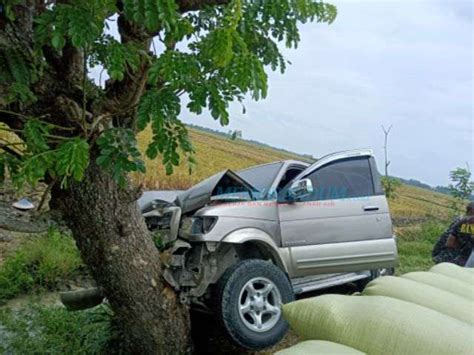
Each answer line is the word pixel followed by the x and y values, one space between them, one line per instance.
pixel 209 338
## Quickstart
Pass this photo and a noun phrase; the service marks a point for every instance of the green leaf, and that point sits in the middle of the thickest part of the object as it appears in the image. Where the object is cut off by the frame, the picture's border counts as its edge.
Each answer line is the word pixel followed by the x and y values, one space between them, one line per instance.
pixel 34 167
pixel 72 159
pixel 116 57
pixel 35 133
pixel 58 41
pixel 20 92
pixel 119 153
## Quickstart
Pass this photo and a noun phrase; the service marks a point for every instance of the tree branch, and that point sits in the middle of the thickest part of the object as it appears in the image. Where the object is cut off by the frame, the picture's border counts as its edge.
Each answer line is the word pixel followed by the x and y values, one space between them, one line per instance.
pixel 122 96
pixel 40 118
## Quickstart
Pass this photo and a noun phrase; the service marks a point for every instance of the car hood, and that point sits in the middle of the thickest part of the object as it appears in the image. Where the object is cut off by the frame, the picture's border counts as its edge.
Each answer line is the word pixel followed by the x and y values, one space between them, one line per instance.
pixel 222 186
pixel 225 183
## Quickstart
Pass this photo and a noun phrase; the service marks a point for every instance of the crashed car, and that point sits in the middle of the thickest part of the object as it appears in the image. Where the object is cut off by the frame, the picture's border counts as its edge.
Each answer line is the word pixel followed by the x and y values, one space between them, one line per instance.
pixel 243 243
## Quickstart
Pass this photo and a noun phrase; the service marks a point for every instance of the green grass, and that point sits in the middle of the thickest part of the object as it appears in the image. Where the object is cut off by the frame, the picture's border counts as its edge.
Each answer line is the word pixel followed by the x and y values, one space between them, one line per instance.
pixel 38 264
pixel 415 245
pixel 53 330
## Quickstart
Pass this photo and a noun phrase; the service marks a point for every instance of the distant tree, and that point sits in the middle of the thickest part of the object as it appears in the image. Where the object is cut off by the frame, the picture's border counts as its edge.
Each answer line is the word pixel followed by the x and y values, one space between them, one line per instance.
pixel 235 134
pixel 389 183
pixel 461 187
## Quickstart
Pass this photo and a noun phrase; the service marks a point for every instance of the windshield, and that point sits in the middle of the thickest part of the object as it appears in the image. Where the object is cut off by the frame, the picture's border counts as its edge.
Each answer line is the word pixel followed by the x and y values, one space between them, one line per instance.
pixel 261 177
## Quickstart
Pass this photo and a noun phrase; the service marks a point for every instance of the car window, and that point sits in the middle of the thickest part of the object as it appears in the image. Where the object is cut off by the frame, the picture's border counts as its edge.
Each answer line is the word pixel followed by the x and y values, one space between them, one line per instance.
pixel 288 176
pixel 261 177
pixel 342 179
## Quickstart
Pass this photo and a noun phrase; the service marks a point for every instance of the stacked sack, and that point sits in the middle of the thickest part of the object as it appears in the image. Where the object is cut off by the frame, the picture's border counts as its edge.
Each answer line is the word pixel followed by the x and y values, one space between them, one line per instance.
pixel 417 313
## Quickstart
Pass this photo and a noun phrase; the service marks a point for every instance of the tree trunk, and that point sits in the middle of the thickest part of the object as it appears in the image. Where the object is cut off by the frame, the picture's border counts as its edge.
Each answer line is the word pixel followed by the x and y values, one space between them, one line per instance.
pixel 115 244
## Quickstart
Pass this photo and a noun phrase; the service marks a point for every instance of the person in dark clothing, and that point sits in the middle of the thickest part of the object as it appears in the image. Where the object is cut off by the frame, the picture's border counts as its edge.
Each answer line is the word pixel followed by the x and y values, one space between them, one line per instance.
pixel 455 244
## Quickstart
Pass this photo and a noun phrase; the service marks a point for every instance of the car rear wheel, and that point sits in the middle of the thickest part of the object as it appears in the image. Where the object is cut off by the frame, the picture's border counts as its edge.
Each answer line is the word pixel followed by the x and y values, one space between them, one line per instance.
pixel 249 297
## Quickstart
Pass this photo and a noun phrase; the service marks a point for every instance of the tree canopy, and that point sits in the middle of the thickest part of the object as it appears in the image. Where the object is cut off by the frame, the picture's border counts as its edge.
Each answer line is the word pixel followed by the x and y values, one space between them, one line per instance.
pixel 211 52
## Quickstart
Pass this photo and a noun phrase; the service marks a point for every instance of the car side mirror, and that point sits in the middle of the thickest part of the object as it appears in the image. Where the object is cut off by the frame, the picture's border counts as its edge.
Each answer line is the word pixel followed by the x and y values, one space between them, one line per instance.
pixel 301 188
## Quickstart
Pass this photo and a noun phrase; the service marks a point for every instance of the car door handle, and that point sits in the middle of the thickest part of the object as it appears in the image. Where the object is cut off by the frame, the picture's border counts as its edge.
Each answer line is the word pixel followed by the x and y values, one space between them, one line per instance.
pixel 371 208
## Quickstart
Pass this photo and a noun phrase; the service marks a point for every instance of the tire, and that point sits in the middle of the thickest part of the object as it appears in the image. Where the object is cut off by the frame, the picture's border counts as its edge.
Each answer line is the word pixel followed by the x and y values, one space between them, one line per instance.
pixel 239 313
pixel 373 275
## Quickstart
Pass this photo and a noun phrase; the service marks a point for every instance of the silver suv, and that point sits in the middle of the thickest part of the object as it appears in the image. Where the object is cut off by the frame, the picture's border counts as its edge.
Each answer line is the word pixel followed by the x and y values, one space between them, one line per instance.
pixel 241 244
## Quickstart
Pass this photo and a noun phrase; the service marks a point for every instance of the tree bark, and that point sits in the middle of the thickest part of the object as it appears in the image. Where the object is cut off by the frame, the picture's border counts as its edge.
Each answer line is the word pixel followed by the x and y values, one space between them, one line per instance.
pixel 115 244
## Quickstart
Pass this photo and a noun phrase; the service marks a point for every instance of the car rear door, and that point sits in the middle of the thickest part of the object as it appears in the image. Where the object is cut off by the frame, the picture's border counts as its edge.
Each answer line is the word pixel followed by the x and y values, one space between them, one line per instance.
pixel 344 224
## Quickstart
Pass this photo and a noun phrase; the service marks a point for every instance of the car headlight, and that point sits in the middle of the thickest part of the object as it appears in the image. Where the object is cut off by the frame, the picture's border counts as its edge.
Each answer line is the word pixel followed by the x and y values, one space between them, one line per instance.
pixel 203 225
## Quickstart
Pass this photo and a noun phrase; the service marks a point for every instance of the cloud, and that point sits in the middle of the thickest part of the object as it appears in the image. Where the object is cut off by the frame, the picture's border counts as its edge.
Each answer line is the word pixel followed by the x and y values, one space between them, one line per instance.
pixel 406 63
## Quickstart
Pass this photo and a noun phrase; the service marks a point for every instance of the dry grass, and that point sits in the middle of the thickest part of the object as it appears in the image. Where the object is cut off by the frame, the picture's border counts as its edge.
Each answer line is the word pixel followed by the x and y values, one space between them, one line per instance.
pixel 214 153
pixel 417 203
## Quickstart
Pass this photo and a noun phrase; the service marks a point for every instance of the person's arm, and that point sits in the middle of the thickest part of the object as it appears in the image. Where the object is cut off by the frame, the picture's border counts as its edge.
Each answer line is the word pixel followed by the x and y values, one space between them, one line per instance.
pixel 452 242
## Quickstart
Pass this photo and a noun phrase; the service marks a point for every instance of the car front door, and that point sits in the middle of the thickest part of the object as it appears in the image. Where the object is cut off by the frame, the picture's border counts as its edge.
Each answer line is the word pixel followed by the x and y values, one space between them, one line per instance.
pixel 343 225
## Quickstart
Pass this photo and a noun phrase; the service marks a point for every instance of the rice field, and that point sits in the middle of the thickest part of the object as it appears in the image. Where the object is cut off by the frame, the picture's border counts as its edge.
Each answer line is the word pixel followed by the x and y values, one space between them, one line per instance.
pixel 215 153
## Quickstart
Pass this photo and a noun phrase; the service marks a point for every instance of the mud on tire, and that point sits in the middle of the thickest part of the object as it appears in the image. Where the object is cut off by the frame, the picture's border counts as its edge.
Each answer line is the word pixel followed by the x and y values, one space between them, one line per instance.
pixel 252 290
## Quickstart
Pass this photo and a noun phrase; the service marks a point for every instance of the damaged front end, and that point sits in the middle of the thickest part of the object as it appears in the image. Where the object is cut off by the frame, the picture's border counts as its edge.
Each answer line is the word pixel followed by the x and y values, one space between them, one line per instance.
pixel 192 266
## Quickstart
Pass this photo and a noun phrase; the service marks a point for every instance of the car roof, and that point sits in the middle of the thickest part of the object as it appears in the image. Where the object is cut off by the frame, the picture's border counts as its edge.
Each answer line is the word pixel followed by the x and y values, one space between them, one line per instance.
pixel 321 161
pixel 286 162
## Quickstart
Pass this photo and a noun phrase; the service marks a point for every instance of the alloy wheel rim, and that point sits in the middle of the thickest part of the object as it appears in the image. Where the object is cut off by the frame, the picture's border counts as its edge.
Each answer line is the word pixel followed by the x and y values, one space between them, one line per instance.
pixel 259 304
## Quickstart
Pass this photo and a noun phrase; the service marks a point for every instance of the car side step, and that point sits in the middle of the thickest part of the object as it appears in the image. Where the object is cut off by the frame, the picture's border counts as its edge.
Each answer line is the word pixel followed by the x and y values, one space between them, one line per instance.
pixel 311 283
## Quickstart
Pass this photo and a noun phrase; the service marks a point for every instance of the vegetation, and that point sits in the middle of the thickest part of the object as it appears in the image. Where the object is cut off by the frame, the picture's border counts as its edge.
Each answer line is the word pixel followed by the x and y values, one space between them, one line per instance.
pixel 461 188
pixel 213 153
pixel 390 186
pixel 415 244
pixel 53 330
pixel 38 264
pixel 415 205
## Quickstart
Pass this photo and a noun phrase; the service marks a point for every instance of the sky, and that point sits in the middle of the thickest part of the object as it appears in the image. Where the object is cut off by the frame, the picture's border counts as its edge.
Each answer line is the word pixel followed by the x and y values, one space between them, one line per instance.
pixel 406 64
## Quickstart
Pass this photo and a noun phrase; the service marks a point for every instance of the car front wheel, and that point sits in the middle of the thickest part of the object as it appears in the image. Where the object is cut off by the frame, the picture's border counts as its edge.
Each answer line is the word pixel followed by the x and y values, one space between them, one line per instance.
pixel 250 295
